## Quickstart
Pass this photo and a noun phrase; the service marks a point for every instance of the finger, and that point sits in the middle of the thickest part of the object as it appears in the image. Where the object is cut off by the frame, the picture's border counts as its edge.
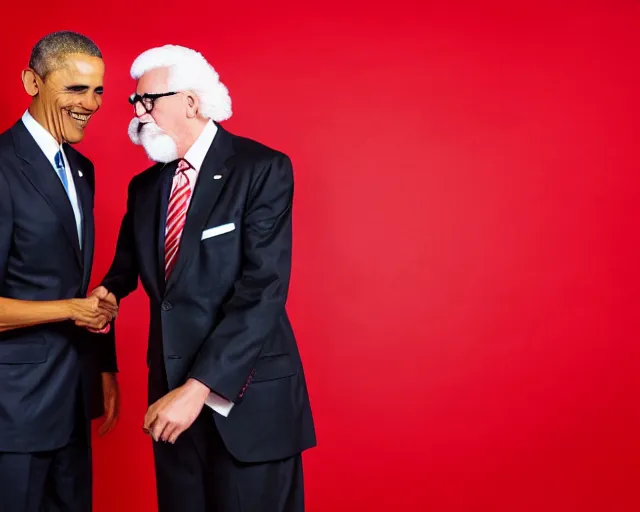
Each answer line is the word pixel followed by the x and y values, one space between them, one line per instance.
pixel 168 431
pixel 111 417
pixel 100 292
pixel 107 309
pixel 149 418
pixel 106 302
pixel 98 323
pixel 107 425
pixel 157 427
pixel 86 326
pixel 175 433
pixel 109 313
pixel 93 302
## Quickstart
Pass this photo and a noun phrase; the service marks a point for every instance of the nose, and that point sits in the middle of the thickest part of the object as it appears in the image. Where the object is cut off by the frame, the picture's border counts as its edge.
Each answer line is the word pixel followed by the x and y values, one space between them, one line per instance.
pixel 139 110
pixel 90 102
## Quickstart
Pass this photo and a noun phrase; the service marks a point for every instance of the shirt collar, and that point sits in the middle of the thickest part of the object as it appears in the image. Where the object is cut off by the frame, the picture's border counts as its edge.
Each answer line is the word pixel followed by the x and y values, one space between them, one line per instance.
pixel 198 151
pixel 47 143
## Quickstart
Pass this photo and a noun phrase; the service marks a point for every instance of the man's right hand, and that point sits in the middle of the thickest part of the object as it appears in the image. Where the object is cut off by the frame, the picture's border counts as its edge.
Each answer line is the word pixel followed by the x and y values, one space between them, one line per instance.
pixel 94 312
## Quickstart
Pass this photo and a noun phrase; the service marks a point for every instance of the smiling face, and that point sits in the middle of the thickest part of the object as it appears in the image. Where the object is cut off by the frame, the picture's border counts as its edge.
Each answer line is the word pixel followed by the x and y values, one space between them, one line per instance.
pixel 67 98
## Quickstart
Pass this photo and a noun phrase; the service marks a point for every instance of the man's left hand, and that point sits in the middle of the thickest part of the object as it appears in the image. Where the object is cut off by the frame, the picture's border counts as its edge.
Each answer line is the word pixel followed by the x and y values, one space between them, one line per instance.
pixel 111 396
pixel 175 412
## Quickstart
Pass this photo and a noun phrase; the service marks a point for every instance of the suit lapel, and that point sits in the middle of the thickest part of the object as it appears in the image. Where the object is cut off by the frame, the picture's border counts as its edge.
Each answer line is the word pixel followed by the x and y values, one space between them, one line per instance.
pixel 148 218
pixel 204 198
pixel 43 177
pixel 84 190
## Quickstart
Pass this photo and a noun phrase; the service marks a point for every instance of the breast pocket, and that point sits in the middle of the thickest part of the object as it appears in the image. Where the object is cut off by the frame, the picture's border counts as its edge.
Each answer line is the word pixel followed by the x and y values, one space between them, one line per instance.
pixel 219 257
pixel 216 231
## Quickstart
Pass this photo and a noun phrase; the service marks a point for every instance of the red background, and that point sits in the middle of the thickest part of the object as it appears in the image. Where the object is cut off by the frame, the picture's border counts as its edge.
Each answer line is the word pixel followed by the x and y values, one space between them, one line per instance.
pixel 467 243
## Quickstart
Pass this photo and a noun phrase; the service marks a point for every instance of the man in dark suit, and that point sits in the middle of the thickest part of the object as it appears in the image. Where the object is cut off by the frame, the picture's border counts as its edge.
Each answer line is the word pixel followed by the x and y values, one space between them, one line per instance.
pixel 49 362
pixel 208 231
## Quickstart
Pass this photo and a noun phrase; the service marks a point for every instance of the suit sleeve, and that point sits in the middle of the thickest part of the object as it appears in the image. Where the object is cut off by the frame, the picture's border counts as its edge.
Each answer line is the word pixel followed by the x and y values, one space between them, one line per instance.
pixel 6 225
pixel 105 343
pixel 249 316
pixel 122 277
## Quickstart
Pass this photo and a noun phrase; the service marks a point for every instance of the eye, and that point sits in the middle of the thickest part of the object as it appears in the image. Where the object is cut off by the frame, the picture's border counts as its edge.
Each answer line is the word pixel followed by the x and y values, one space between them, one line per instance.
pixel 77 88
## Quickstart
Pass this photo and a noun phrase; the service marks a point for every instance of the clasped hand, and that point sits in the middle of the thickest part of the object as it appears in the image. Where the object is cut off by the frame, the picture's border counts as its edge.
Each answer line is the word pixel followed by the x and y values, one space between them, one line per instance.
pixel 96 311
pixel 175 412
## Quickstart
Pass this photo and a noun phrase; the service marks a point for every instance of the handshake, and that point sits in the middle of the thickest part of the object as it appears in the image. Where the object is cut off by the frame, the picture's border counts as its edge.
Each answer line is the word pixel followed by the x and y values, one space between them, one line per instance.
pixel 96 311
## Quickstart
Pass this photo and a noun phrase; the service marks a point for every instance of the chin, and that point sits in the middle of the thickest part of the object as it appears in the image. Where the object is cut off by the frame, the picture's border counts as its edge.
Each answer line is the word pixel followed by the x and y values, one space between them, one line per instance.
pixel 74 139
pixel 72 130
pixel 160 148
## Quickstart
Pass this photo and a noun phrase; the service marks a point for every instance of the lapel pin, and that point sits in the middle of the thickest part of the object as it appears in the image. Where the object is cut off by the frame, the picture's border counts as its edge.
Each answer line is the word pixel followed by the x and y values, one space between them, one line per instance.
pixel 217 177
pixel 80 173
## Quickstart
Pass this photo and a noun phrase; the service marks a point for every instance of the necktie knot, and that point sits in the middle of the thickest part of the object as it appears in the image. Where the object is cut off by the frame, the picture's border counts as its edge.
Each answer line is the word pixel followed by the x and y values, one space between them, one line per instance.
pixel 183 165
pixel 59 161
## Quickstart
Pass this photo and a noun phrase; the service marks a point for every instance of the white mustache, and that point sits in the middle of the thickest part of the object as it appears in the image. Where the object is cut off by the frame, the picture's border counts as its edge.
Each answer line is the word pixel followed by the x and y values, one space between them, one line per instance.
pixel 159 146
pixel 136 129
pixel 133 131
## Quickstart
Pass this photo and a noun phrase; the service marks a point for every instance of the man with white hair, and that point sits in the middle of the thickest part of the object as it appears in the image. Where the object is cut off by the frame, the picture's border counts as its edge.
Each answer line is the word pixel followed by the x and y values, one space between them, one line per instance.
pixel 208 232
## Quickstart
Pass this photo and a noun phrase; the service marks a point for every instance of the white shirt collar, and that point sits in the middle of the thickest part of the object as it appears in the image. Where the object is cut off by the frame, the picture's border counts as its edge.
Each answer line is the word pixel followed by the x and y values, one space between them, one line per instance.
pixel 47 143
pixel 198 151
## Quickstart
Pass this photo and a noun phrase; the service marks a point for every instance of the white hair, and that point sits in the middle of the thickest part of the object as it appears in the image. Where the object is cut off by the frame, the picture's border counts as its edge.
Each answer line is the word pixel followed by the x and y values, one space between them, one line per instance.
pixel 188 71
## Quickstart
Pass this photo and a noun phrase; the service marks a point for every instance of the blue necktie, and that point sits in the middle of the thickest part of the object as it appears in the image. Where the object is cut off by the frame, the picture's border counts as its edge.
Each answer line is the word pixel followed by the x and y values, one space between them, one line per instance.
pixel 60 168
pixel 61 171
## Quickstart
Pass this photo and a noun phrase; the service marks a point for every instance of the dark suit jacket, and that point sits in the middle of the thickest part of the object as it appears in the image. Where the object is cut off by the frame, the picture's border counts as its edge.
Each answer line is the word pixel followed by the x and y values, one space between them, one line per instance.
pixel 42 366
pixel 221 317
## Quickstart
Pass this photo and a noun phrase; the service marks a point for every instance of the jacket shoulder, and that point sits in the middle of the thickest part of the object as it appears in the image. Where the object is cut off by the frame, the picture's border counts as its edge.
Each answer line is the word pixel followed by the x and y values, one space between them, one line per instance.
pixel 7 147
pixel 147 177
pixel 253 150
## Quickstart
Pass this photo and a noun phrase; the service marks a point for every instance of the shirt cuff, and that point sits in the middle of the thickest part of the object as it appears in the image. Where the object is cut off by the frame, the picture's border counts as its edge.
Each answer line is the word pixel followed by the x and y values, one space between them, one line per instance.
pixel 219 404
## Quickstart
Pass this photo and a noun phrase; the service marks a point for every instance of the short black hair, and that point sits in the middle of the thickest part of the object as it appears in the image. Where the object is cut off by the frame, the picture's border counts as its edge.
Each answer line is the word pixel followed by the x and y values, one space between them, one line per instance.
pixel 49 53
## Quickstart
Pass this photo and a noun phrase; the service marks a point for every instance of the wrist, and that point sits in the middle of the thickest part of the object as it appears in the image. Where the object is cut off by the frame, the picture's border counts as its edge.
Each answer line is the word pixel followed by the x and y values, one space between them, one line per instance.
pixel 198 388
pixel 68 311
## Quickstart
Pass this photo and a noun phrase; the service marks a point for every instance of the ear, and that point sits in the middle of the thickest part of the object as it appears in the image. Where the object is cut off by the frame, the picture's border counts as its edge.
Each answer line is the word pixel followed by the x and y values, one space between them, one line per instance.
pixel 193 105
pixel 30 82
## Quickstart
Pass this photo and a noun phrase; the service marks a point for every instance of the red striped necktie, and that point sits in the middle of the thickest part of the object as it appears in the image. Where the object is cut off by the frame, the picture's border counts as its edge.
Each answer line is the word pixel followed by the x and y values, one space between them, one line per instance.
pixel 176 216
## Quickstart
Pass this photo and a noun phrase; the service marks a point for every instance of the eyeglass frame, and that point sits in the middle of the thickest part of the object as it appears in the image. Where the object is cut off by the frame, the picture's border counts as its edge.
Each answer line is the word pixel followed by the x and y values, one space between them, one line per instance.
pixel 135 98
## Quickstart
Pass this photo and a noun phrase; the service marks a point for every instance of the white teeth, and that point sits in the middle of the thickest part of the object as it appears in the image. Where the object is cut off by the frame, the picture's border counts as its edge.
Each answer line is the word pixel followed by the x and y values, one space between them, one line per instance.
pixel 80 117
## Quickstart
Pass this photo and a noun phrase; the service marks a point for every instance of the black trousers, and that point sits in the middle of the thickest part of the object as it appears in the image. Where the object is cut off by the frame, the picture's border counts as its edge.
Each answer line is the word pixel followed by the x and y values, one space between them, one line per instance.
pixel 197 474
pixel 54 481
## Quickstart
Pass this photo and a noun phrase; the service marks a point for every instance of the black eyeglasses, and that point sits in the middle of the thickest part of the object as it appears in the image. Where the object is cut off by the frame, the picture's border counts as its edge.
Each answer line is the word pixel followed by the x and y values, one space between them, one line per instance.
pixel 147 100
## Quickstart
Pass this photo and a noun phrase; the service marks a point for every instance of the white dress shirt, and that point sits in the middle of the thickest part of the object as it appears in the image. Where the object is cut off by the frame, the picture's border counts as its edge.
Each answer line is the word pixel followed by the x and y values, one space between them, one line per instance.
pixel 195 156
pixel 50 148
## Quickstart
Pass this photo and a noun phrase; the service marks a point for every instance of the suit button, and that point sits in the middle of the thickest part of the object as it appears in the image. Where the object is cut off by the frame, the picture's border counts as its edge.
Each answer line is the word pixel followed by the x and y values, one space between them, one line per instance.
pixel 166 306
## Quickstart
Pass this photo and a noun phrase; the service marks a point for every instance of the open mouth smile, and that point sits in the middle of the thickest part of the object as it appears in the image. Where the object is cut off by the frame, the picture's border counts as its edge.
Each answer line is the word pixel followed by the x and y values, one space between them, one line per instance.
pixel 82 119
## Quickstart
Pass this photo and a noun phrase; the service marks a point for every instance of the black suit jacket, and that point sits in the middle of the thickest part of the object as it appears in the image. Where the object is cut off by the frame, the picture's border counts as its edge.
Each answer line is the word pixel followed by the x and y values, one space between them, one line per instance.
pixel 42 366
pixel 221 316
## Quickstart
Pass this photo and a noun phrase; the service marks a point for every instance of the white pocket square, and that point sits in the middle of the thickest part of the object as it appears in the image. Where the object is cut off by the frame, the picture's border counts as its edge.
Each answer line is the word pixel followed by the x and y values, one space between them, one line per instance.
pixel 218 230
